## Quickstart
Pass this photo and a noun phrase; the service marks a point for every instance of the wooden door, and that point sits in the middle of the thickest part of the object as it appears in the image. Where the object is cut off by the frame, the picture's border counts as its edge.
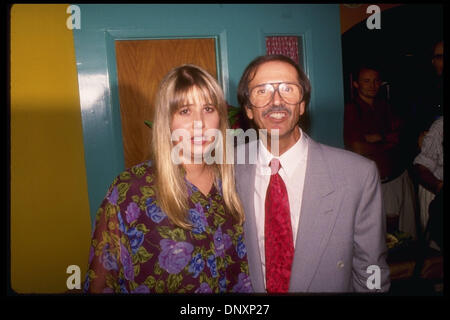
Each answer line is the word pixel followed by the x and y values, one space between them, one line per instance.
pixel 141 65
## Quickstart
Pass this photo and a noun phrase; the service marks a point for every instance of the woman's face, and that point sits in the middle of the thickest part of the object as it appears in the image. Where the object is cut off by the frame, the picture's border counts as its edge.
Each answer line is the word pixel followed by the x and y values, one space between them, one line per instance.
pixel 193 121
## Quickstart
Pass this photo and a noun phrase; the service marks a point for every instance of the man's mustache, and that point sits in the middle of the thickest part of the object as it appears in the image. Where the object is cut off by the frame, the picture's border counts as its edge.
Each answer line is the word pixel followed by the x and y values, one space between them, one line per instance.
pixel 279 108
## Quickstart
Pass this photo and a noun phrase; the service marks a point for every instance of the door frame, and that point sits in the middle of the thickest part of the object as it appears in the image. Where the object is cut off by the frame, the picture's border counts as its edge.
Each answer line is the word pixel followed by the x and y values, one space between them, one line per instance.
pixel 111 36
pixel 104 156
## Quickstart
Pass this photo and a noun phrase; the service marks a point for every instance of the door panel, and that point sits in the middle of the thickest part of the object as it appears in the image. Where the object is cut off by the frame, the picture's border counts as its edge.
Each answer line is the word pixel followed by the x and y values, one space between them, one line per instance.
pixel 141 65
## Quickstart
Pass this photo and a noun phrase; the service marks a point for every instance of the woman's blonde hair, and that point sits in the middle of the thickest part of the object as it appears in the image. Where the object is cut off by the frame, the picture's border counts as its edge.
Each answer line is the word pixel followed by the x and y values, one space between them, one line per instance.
pixel 171 190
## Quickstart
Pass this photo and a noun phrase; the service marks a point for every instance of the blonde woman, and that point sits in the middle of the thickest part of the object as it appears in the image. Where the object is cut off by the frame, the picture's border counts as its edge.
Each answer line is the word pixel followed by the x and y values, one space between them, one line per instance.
pixel 174 224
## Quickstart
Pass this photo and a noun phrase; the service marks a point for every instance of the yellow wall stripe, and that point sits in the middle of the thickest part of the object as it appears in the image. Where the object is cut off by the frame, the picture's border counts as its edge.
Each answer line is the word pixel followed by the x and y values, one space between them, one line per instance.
pixel 50 224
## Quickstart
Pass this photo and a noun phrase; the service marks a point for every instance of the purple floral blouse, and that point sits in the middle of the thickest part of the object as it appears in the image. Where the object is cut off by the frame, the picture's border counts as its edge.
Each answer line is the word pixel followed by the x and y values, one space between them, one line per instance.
pixel 136 249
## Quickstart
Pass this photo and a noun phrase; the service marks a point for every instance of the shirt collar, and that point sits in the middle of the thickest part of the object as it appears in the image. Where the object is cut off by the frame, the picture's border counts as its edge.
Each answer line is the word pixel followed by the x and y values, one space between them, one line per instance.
pixel 215 188
pixel 288 160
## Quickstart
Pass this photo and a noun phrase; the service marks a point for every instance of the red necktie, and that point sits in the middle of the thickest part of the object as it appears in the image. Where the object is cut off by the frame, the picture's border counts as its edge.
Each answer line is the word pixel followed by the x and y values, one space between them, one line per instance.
pixel 279 245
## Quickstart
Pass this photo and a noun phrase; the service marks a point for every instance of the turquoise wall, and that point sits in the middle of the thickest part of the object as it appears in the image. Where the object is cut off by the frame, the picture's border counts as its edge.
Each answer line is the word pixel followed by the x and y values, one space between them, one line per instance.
pixel 239 31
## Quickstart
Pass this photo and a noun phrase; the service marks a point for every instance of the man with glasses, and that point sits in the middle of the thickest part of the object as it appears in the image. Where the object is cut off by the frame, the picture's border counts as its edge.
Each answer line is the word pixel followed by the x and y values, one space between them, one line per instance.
pixel 314 218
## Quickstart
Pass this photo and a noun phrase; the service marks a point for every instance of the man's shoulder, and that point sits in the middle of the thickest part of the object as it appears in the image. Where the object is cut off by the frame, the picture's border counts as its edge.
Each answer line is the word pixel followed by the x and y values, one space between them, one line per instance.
pixel 340 159
pixel 350 104
pixel 355 102
pixel 346 168
pixel 438 124
pixel 339 153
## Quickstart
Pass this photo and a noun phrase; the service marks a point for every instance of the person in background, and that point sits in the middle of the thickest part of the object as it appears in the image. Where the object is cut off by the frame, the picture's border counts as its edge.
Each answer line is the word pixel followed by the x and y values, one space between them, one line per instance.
pixel 429 170
pixel 426 105
pixel 165 227
pixel 431 102
pixel 428 164
pixel 372 130
pixel 314 218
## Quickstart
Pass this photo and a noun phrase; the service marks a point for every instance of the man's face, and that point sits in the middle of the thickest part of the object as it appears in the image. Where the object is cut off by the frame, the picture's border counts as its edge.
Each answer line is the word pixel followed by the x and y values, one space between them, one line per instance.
pixel 368 83
pixel 438 58
pixel 278 114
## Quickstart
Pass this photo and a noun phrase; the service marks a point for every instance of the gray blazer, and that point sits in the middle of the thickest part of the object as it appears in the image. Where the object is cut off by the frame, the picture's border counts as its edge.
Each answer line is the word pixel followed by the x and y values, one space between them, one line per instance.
pixel 341 229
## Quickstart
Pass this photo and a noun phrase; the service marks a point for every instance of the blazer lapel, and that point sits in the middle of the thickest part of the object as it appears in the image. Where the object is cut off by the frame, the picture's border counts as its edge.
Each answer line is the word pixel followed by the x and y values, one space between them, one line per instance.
pixel 317 218
pixel 246 186
pixel 251 238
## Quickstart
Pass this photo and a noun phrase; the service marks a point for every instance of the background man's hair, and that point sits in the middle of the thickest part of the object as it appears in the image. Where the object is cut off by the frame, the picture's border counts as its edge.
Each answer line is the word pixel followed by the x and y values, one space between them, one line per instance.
pixel 370 65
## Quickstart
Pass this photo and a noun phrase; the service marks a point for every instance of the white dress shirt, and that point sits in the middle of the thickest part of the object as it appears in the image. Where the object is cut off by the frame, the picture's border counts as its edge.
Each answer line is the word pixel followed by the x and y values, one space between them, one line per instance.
pixel 431 155
pixel 292 171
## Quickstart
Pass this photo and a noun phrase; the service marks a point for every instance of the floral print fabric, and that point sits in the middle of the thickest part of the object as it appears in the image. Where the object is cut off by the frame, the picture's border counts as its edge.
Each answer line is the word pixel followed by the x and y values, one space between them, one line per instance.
pixel 136 249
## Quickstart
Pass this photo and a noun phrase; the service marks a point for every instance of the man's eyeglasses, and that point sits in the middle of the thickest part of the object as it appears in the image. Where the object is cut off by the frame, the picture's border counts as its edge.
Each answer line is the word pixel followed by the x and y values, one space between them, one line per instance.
pixel 438 56
pixel 261 95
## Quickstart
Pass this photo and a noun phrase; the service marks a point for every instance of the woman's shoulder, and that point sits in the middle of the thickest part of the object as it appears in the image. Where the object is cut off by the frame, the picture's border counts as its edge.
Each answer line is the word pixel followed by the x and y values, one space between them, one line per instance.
pixel 135 176
pixel 132 190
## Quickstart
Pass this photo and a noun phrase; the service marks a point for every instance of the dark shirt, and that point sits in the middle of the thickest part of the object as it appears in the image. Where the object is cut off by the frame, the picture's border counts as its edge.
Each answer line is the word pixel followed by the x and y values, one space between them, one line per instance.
pixel 361 119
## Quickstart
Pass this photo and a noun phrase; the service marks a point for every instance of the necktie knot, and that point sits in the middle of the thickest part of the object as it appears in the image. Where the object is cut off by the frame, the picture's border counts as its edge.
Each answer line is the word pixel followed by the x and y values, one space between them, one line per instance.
pixel 274 165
